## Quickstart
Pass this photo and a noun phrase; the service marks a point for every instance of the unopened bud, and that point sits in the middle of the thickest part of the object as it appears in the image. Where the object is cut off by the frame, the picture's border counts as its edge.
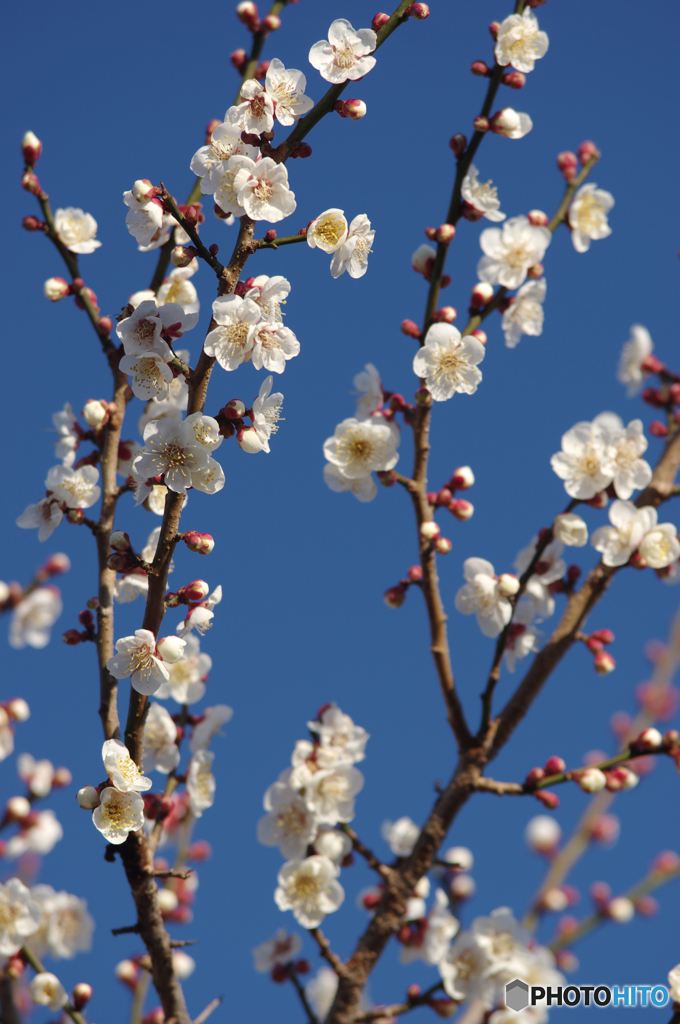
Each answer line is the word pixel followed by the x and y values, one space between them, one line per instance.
pixel 199 850
pixel 481 295
pixel 182 255
pixel 586 150
pixel 18 709
pixel 144 191
pixel 424 398
pixel 621 909
pixel 479 335
pixel 387 477
pixel 604 663
pixel 171 649
pixel 600 500
pixel 415 573
pixel 127 971
pixel 462 480
pixel 462 509
pixel 29 181
pixel 270 235
pixel 547 798
pixel 395 596
pixel 379 20
pixel 202 543
pixel 554 765
pixel 538 218
pixel 567 163
pixel 32 224
pixel 445 233
pixel 554 900
pixel 239 59
pixel 76 516
pixel 446 315
pixel 410 329
pixel 431 233
pixel 261 71
pixel 355 109
pixel 72 637
pixel 17 808
pixel 658 429
pixel 458 143
pixel 591 780
pixel 120 541
pixel 494 28
pixel 62 778
pixel 198 590
pixel 534 776
pixel 234 410
pixel 119 561
pixel 247 13
pixel 479 68
pixel 481 124
pixel 536 271
pixel 543 834
pixel 462 887
pixel 605 636
pixel 442 545
pixel 422 259
pixel 649 739
pixel 429 530
pixel 56 564
pixel 270 23
pixel 515 79
pixel 31 147
pixel 56 288
pixel 94 414
pixel 418 11
pixel 507 585
pixel 82 993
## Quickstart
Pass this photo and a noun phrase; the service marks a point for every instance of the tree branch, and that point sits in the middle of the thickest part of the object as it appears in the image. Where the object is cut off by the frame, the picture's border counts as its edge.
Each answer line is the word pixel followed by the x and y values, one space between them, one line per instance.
pixel 326 952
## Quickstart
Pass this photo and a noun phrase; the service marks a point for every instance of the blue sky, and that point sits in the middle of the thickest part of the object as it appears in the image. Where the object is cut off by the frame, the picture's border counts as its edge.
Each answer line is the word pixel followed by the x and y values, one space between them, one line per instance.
pixel 117 92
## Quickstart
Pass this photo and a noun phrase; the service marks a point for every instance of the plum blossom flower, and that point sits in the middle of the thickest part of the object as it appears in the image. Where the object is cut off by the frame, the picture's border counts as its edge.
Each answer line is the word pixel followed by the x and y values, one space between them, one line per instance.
pixel 121 769
pixel 131 586
pixel 20 916
pixel 522 640
pixel 519 41
pixel 360 446
pixel 340 741
pixel 525 315
pixel 344 56
pixel 66 425
pixel 33 618
pixel 40 833
pixel 480 597
pixel 510 251
pixel 280 950
pixel 76 229
pixel 47 990
pixel 160 750
pixel 482 195
pixel 200 617
pixel 273 346
pixel 289 823
pixel 352 255
pixel 629 525
pixel 369 392
pixel 170 449
pixel 660 546
pixel 149 328
pixel 186 678
pixel 633 355
pixel 67 926
pixel 75 487
pixel 262 188
pixel 144 220
pixel 583 463
pixel 231 342
pixel 225 142
pixel 150 377
pixel 45 515
pixel 328 792
pixel 624 448
pixel 439 927
pixel 179 290
pixel 310 889
pixel 400 835
pixel 287 88
pixel 588 216
pixel 136 657
pixel 332 843
pixel 211 726
pixel 320 991
pixel 201 782
pixel 570 529
pixel 328 231
pixel 255 114
pixel 448 363
pixel 118 814
pixel 513 124
pixel 269 293
pixel 364 488
pixel 38 775
pixel 551 566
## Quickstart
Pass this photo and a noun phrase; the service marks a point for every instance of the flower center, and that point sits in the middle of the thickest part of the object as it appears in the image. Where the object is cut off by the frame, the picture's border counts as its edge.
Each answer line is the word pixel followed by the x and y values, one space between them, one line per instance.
pixel 291 820
pixel 330 230
pixel 525 45
pixel 264 190
pixel 304 887
pixel 8 913
pixel 171 455
pixel 76 486
pixel 141 661
pixel 517 257
pixel 126 766
pixel 148 377
pixel 117 813
pixel 146 330
pixel 344 56
pixel 590 215
pixel 258 107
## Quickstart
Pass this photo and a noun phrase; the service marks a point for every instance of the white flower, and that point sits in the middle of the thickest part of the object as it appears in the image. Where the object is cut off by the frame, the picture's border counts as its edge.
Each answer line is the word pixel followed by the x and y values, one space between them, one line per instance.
pixel 287 88
pixel 513 124
pixel 144 220
pixel 45 516
pixel 66 426
pixel 448 363
pixel 570 529
pixel 129 587
pixel 440 926
pixel 332 843
pixel 364 488
pixel 20 916
pixel 624 447
pixel 206 430
pixel 149 328
pixel 6 735
pixel 150 377
pixel 464 967
pixel 118 814
pixel 344 56
pixel 200 617
pixel 480 597
pixel 225 142
pixel 328 231
pixel 401 836
pixel 369 391
pixel 67 926
pixel 360 446
pixel 629 525
pixel 186 678
pixel 633 354
pixel 521 641
pixel 422 259
pixel 231 342
pixel 583 463
pixel 171 450
pixel 211 726
pixel 519 41
pixel 269 293
pixel 255 114
pixel 137 658
pixel 266 414
pixel 47 990
pixel 38 775
pixel 33 617
pixel 160 750
pixel 39 834
pixel 290 824
pixel 340 740
pixel 121 769
pixel 352 255
pixel 525 315
pixel 320 991
pixel 482 195
pixel 183 964
pixel 588 216
pixel 510 251
pixel 201 782
pixel 273 346
pixel 76 229
pixel 551 566
pixel 660 546
pixel 328 792
pixel 262 188
pixel 179 290
pixel 309 888
pixel 280 950
pixel 75 487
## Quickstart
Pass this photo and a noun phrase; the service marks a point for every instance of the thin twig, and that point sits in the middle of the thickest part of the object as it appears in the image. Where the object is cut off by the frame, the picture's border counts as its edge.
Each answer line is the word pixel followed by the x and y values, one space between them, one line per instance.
pixel 203 1016
pixel 326 952
pixel 299 988
pixel 383 869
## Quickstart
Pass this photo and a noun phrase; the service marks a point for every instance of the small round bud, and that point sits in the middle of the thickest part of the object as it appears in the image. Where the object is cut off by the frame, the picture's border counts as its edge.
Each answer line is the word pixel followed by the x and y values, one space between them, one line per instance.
pixel 586 150
pixel 412 992
pixel 462 509
pixel 418 11
pixel 533 273
pixel 410 329
pixel 555 900
pixel 239 59
pixel 494 28
pixel 666 862
pixel 481 295
pixel 606 828
pixel 56 288
pixel 202 543
pixel 72 637
pixel 30 183
pixel 462 887
pixel 621 909
pixel 458 143
pixel 94 414
pixel 591 780
pixel 82 993
pixel 548 799
pixel 387 477
pixel 355 109
pixel 479 68
pixel 423 398
pixel 649 739
pixel 88 798
pixel 462 480
pixel 120 541
pixel 395 596
pixel 534 776
pixel 654 397
pixel 270 23
pixel 171 649
pixel 379 20
pixel 543 834
pixel 515 79
pixel 445 315
pixel 567 163
pixel 32 224
pixel 538 218
pixel 76 516
pixel 415 573
pixel 18 709
pixel 605 636
pixel 270 236
pixel 647 906
pixel 422 259
pixel 183 255
pixel 481 124
pixel 119 561
pixel 459 858
pixel 480 336
pixel 31 147
pixel 248 14
pixel 127 971
pixel 429 530
pixel 507 585
pixel 555 765
pixel 17 808
pixel 442 545
pixel 445 233
pixel 62 778
pixel 600 500
pixel 604 663
pixel 658 429
pixel 198 590
pixel 199 850
pixel 144 191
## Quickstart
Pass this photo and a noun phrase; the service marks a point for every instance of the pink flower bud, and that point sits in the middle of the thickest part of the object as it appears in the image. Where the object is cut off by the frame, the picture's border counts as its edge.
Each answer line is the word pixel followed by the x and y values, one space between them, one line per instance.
pixel 479 68
pixel 458 143
pixel 415 573
pixel 270 23
pixel 462 509
pixel 481 295
pixel 534 776
pixel 234 410
pixel 120 541
pixel 604 635
pixel 590 780
pixel 76 516
pixel 649 739
pixel 647 906
pixel 82 993
pixel 594 645
pixel 144 191
pixel 480 336
pixel 120 562
pixel 671 738
pixel 658 429
pixel 412 992
pixel 423 398
pixel 29 181
pixel 239 59
pixel 18 709
pixel 395 596
pixel 72 637
pixel 198 590
pixel 62 778
pixel 387 477
pixel 462 480
pixel 247 13
pixel 567 163
pixel 621 909
pixel 56 288
pixel 429 530
pixel 17 808
pixel 606 828
pixel 494 28
pixel 507 585
pixel 650 364
pixel 538 218
pixel 653 397
pixel 355 109
pixel 32 224
pixel 431 233
pixel 548 799
pixel 410 329
pixel 31 147
pixel 422 259
pixel 481 124
pixel 445 233
pixel 604 663
pixel 555 900
pixel 202 543
pixel 89 295
pixel 586 150
pixel 666 862
pixel 182 255
pixel 515 79
pixel 536 271
pixel 127 971
pixel 261 71
pixel 554 765
pixel 442 545
pixel 446 315
pixel 56 565
pixel 379 20
pixel 418 11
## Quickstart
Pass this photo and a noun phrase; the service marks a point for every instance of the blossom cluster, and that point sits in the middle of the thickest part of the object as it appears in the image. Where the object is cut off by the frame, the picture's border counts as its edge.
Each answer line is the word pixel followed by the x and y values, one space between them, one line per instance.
pixel 57 923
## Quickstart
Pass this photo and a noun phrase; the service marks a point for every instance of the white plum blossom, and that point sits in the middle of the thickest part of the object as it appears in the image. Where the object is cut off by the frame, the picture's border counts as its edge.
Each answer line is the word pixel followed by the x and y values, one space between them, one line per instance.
pixel 122 770
pixel 340 740
pixel 149 328
pixel 583 463
pixel 310 889
pixel 422 259
pixel 269 293
pixel 200 617
pixel 328 792
pixel 440 926
pixel 262 188
pixel 201 782
pixel 33 618
pixel 512 124
pixel 482 195
pixel 144 220
pixel 320 991
pixel 588 216
pixel 211 726
pixel 131 586
pixel 255 113
pixel 629 525
pixel 39 834
pixel 525 314
pixel 6 735
pixel 352 255
pixel 510 251
pixel 273 346
pixel 332 843
pixel 519 41
pixel 448 362
pixel 363 488
pixel 186 678
pixel 179 290
pixel 47 990
pixel 66 425
pixel 67 926
pixel 136 657
pixel 625 446
pixel 280 950
pixel 38 775
pixel 76 229
pixel 344 55
pixel 225 142
pixel 45 515
pixel 660 546
pixel 231 342
pixel 522 640
pixel 328 231
pixel 144 295
pixel 570 529
pixel 160 750
pixel 289 823
pixel 633 355
pixel 20 916
pixel 369 392
pixel 286 86
pixel 77 488
pixel 400 835
pixel 549 568
pixel 266 416
pixel 118 814
pixel 170 449
pixel 206 432
pixel 360 446
pixel 480 597
pixel 150 377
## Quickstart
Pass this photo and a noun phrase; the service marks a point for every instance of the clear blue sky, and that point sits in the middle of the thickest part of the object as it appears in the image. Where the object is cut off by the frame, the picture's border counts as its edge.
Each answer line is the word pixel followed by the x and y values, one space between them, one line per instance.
pixel 123 91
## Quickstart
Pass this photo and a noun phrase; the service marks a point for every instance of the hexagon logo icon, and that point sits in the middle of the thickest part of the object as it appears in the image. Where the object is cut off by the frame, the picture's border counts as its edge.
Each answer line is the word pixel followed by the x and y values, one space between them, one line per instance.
pixel 516 995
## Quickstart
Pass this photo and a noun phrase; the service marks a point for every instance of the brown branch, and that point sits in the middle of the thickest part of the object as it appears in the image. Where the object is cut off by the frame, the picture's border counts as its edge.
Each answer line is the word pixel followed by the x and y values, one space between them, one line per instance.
pixel 212 1005
pixel 485 785
pixel 397 1009
pixel 299 988
pixel 8 1010
pixel 383 870
pixel 326 952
